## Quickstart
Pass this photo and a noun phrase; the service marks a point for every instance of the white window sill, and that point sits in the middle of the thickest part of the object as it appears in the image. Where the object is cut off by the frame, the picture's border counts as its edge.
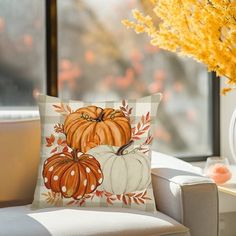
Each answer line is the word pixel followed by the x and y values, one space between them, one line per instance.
pixel 22 114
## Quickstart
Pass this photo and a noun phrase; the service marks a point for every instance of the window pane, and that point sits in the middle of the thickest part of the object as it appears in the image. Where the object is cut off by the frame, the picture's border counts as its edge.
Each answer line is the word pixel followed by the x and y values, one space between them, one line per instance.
pixel 22 50
pixel 100 59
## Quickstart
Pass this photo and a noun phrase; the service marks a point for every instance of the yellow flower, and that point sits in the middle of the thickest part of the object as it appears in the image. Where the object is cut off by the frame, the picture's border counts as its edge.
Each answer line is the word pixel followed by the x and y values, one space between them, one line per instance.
pixel 203 29
pixel 225 91
pixel 128 23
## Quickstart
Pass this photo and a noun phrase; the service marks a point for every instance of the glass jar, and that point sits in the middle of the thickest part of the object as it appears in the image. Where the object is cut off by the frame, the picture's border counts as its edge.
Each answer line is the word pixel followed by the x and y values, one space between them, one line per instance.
pixel 217 168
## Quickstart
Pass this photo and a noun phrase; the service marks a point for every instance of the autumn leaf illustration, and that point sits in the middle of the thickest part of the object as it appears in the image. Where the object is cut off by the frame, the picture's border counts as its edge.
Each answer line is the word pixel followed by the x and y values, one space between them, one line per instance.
pixel 50 140
pixel 126 109
pixel 138 198
pixel 142 127
pixel 63 109
pixel 53 198
pixel 59 128
pixel 58 145
pixel 144 147
pixel 127 199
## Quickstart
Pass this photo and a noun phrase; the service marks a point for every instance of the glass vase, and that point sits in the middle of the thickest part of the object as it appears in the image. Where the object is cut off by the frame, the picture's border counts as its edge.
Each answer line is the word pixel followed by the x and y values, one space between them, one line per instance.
pixel 217 168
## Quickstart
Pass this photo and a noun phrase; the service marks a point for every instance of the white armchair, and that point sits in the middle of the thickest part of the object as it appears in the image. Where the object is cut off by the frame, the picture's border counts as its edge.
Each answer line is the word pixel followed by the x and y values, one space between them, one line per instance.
pixel 187 202
pixel 184 195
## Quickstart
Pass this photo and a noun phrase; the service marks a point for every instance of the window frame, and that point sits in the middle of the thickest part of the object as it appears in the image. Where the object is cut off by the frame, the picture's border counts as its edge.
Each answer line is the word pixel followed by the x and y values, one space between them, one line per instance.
pixel 52 81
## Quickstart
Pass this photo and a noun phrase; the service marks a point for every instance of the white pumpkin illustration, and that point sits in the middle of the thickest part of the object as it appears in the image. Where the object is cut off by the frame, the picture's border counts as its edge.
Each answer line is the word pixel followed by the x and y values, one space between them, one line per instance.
pixel 124 171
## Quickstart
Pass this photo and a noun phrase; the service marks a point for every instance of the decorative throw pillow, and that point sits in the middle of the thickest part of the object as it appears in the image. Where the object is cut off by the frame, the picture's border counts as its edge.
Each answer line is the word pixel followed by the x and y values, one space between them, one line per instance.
pixel 96 154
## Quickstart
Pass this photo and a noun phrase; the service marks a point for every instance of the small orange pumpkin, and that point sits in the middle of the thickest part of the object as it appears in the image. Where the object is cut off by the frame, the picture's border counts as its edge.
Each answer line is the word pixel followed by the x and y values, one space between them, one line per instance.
pixel 72 176
pixel 91 126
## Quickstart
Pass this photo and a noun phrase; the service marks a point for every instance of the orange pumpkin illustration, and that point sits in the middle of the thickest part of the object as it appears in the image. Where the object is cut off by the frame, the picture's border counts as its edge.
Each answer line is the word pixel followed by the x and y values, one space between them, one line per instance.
pixel 91 126
pixel 72 176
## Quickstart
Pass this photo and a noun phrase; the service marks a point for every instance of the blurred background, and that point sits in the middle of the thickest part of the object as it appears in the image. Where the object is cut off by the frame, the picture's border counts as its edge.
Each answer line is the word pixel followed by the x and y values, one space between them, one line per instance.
pixel 100 59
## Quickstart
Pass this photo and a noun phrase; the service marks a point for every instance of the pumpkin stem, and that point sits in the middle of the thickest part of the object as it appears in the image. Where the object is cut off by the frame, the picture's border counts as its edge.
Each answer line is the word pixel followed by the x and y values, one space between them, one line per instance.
pixel 100 117
pixel 122 148
pixel 75 154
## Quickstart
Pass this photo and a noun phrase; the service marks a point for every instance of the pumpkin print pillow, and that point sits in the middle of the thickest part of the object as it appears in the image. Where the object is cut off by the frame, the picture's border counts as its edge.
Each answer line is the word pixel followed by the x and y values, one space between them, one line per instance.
pixel 96 154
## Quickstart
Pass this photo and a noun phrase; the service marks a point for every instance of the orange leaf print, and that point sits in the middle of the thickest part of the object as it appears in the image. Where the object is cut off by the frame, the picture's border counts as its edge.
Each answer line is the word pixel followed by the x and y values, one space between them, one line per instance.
pixel 109 201
pixel 99 193
pixel 124 200
pixel 129 200
pixel 59 128
pixel 54 150
pixel 62 109
pixel 82 202
pixel 148 116
pixel 141 127
pixel 136 201
pixel 142 119
pixel 59 141
pixel 139 195
pixel 65 149
pixel 141 200
pixel 50 140
pixel 125 108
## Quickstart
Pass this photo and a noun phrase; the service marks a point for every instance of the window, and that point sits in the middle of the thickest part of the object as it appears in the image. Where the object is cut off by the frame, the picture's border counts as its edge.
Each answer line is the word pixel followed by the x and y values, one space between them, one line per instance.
pixel 22 60
pixel 99 59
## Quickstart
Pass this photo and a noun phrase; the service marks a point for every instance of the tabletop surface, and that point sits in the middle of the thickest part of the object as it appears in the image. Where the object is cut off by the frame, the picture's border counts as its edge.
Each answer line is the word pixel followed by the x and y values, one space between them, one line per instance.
pixel 230 186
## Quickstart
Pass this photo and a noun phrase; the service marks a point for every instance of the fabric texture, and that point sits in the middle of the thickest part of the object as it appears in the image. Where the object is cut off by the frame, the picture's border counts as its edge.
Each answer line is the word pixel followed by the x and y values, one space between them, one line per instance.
pixel 85 221
pixel 96 154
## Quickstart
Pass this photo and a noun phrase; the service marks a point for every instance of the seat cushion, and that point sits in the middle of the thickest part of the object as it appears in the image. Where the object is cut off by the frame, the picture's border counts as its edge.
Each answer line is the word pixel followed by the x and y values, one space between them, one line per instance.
pixel 73 221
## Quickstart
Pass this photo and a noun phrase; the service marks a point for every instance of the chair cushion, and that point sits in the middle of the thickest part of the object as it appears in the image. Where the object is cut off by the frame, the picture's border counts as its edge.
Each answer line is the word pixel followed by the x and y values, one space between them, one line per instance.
pixel 73 221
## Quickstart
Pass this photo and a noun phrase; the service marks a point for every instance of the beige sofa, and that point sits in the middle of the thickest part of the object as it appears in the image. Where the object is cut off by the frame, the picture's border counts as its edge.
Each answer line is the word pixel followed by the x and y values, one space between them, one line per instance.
pixel 187 202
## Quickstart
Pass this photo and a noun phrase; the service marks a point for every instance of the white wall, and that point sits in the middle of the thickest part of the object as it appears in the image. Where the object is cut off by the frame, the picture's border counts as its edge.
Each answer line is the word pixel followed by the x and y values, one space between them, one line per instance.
pixel 228 104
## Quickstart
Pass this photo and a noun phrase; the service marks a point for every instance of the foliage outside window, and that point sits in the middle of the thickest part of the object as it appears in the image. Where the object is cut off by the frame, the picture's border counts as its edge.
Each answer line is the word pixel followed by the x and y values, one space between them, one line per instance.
pixel 98 59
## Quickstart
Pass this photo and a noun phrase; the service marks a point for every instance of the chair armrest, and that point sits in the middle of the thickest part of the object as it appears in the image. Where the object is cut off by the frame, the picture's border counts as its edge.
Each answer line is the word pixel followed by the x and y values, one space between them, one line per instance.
pixel 189 198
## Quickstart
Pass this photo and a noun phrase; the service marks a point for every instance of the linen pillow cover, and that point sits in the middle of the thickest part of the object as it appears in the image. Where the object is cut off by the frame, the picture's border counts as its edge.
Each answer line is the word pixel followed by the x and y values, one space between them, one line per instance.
pixel 96 154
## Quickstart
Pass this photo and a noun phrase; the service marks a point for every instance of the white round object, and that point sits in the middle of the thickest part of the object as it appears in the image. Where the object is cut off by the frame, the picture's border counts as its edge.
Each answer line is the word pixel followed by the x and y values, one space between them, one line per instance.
pixel 124 173
pixel 232 135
